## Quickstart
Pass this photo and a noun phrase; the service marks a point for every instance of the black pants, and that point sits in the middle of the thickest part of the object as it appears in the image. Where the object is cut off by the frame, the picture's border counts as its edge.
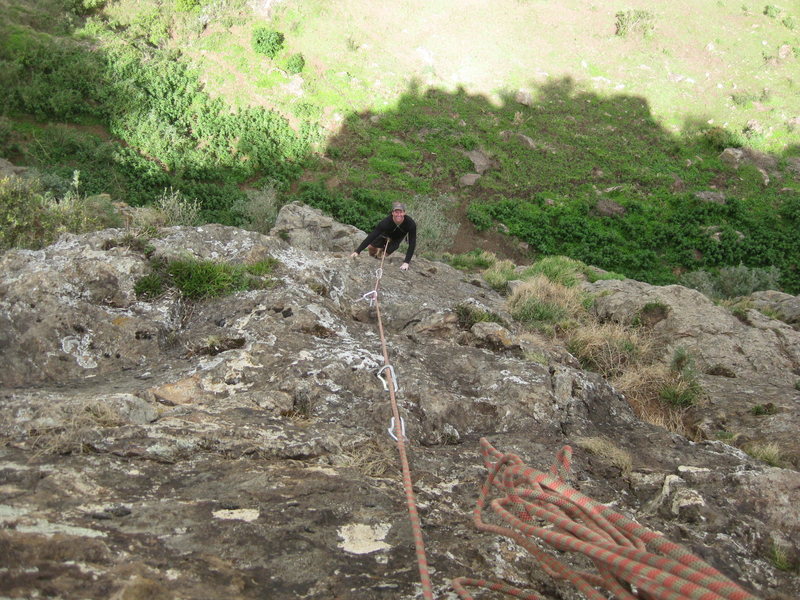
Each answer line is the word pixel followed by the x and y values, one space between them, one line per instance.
pixel 380 244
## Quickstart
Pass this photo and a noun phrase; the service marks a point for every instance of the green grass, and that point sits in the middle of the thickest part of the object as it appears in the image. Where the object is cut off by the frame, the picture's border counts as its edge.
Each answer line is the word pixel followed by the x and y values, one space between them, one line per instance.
pixel 202 279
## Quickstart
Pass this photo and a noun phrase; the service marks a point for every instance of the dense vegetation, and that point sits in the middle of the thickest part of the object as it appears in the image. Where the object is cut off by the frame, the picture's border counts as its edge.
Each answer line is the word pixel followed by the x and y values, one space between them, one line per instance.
pixel 117 98
pixel 157 127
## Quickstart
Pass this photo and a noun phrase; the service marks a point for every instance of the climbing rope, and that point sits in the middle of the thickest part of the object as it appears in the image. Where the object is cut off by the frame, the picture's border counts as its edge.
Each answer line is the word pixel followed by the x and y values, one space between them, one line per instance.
pixel 632 562
pixel 397 431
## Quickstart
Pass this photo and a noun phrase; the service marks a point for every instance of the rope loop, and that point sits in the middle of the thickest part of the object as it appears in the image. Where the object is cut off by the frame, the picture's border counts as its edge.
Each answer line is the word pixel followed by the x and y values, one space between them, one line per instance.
pixel 631 562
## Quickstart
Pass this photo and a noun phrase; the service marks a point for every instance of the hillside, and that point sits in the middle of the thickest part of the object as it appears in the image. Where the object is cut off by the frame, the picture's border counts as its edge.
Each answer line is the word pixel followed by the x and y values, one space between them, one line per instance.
pixel 578 129
pixel 233 443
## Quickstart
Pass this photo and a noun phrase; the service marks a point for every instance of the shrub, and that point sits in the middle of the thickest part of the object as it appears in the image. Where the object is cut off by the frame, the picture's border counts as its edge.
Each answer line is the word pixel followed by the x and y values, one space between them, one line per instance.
pixel 738 281
pixel 296 63
pixel 30 218
pixel 25 221
pixel 480 215
pixel 719 138
pixel 435 231
pixel 267 41
pixel 176 209
pixel 701 281
pixel 634 21
pixel 732 282
pixel 772 11
pixel 186 5
pixel 258 210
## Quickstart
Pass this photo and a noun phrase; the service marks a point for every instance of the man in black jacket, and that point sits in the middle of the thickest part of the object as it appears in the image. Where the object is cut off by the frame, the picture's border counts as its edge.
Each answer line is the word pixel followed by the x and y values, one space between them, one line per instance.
pixel 393 228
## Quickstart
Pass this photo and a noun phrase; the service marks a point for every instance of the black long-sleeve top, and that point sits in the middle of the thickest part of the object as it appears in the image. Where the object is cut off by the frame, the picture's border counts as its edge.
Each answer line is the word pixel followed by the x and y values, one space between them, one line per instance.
pixel 388 228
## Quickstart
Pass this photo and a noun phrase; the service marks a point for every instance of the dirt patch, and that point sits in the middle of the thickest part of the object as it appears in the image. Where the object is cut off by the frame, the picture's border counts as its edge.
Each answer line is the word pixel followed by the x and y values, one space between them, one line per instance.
pixel 469 238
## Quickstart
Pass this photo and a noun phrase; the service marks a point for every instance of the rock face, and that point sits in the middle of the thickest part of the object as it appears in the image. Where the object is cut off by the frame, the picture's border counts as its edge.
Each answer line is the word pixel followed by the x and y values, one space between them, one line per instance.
pixel 236 447
pixel 304 227
pixel 749 366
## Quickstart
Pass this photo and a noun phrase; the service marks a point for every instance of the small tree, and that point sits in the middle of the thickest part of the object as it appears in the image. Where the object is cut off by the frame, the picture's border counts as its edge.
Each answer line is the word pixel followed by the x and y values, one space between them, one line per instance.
pixel 267 41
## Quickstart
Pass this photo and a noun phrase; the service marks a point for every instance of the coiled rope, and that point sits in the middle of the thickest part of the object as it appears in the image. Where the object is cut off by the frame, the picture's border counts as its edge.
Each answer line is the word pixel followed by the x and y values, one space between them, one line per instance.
pixel 541 505
pixel 399 435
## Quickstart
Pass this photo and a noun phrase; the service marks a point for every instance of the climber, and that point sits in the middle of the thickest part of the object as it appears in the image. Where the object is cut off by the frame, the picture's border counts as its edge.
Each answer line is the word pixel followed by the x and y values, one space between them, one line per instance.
pixel 393 228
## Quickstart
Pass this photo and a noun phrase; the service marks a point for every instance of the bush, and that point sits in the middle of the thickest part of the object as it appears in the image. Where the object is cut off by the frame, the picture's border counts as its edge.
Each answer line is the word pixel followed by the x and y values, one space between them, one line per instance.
pixel 30 218
pixel 772 11
pixel 732 282
pixel 435 231
pixel 186 5
pixel 634 21
pixel 296 63
pixel 176 209
pixel 742 281
pixel 267 41
pixel 25 221
pixel 258 210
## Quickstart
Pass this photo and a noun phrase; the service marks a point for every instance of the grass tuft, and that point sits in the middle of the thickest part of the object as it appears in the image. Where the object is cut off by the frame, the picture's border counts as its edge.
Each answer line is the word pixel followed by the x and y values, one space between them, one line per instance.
pixel 542 304
pixel 608 348
pixel 201 279
pixel 607 450
pixel 469 314
pixel 768 452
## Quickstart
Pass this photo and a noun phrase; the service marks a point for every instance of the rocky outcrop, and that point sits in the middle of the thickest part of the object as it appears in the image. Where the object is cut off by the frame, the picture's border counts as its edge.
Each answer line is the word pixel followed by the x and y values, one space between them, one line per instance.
pixel 236 446
pixel 304 227
pixel 749 365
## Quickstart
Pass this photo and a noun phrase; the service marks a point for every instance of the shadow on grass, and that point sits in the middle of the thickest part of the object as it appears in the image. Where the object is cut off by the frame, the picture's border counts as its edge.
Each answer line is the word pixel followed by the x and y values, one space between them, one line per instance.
pixel 567 171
